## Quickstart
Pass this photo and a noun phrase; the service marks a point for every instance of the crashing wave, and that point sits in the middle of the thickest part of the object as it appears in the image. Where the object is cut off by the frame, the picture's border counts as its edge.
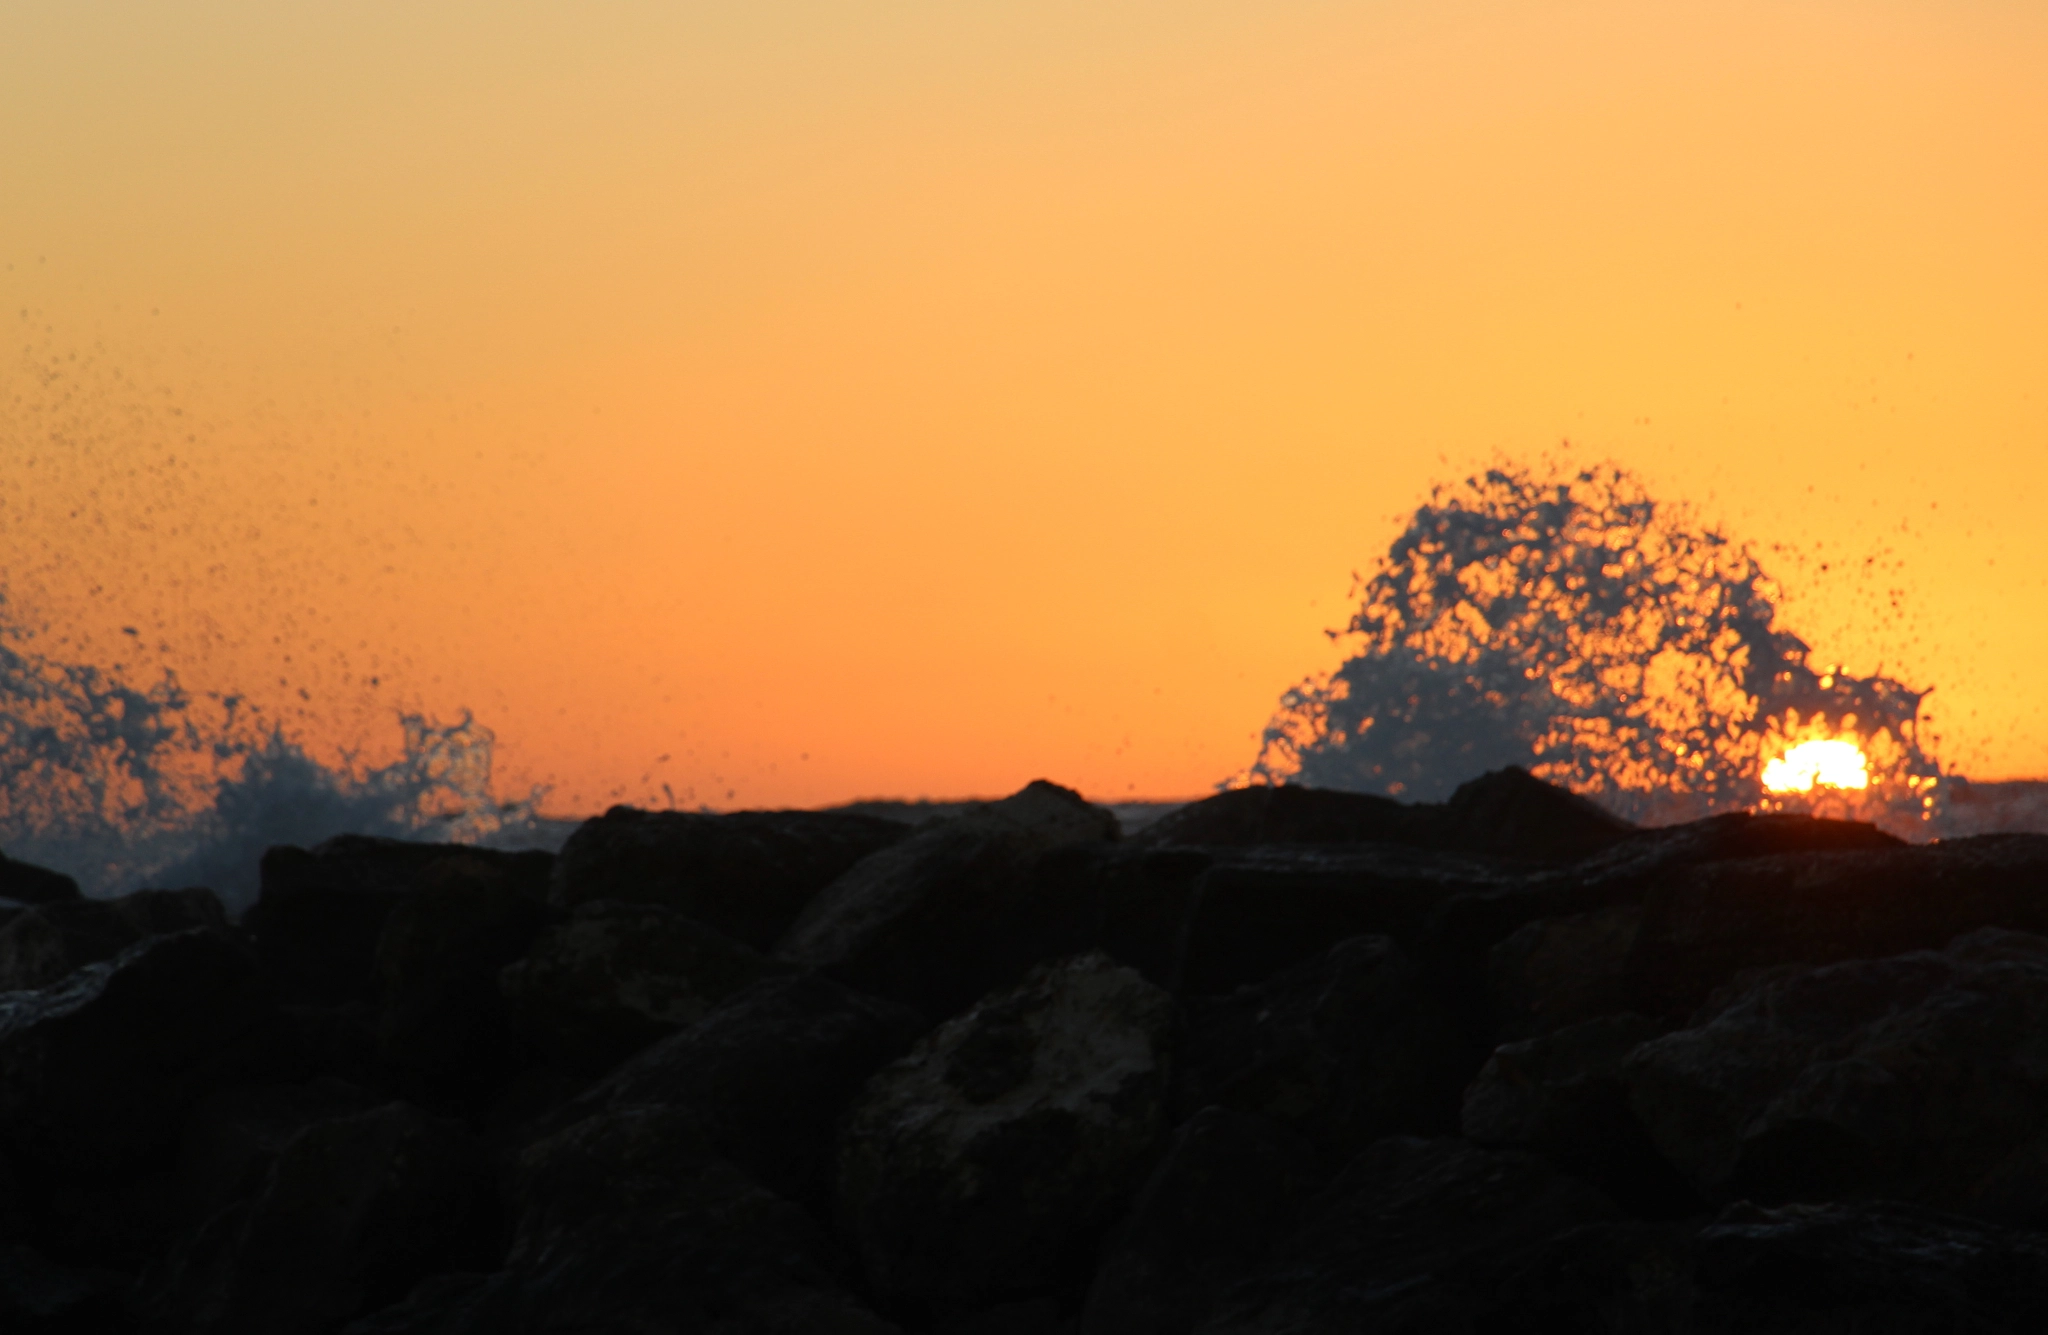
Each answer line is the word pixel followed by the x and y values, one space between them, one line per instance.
pixel 1564 620
pixel 122 785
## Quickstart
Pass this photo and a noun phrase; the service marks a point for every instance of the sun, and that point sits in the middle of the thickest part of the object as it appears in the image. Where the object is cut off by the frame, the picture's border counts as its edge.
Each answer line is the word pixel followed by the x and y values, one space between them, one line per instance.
pixel 1823 764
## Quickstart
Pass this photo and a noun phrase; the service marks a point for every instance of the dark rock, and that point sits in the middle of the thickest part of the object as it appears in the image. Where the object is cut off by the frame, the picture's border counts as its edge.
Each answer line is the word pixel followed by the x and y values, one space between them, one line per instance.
pixel 1921 1077
pixel 43 944
pixel 1467 925
pixel 232 1138
pixel 1284 814
pixel 1404 1239
pixel 767 1074
pixel 1228 1186
pixel 984 1167
pixel 40 1297
pixel 1705 924
pixel 443 1030
pixel 1259 910
pixel 26 883
pixel 618 976
pixel 320 913
pixel 1146 899
pixel 352 1212
pixel 96 1072
pixel 1559 971
pixel 1346 1048
pixel 1510 813
pixel 963 906
pixel 1871 1267
pixel 629 1222
pixel 748 874
pixel 1562 1096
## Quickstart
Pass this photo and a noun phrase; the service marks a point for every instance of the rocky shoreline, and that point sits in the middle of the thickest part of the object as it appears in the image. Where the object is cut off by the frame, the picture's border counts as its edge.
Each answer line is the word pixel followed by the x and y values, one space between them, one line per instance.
pixel 1283 1060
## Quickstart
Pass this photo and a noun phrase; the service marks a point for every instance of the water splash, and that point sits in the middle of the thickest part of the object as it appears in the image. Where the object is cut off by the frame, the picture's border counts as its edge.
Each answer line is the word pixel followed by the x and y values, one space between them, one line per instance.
pixel 1562 619
pixel 123 785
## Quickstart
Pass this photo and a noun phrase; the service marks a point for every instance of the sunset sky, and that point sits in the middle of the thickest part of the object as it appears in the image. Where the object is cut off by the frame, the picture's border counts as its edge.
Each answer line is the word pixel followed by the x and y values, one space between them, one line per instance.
pixel 790 402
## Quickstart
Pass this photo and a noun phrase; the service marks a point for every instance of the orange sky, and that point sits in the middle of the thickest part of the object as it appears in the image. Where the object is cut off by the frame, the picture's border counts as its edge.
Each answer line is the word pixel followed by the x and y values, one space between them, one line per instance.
pixel 842 399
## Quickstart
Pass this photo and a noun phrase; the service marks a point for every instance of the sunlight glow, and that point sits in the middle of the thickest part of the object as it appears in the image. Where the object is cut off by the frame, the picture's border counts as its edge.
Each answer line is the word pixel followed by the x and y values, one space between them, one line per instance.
pixel 1825 764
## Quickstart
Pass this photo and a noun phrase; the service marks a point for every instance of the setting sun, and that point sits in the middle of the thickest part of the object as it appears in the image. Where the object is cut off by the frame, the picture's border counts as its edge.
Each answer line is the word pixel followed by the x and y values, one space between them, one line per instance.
pixel 1825 764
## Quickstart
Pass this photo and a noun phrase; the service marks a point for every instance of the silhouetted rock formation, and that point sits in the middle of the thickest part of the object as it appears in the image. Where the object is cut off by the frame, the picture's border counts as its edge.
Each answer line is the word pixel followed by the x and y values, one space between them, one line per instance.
pixel 1288 1060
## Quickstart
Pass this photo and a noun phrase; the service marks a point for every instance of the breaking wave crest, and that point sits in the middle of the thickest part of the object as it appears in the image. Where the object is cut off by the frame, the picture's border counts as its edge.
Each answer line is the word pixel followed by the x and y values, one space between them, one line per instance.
pixel 1564 620
pixel 123 785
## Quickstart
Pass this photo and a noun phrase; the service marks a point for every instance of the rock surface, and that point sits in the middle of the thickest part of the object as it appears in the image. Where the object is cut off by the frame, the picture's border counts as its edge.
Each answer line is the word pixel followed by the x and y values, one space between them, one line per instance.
pixel 985 1166
pixel 747 874
pixel 43 944
pixel 962 906
pixel 620 975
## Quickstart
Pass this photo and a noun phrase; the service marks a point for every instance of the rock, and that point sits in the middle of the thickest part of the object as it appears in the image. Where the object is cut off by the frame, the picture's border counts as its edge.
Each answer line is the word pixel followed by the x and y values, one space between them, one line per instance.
pixel 629 1222
pixel 1872 1267
pixel 1466 925
pixel 1508 813
pixel 1920 1077
pixel 985 1166
pixel 1511 813
pixel 1555 972
pixel 352 1212
pixel 1228 1186
pixel 1403 1239
pixel 97 1071
pixel 747 874
pixel 40 1297
pixel 1284 814
pixel 1260 910
pixel 1346 1048
pixel 618 976
pixel 232 1137
pixel 1703 925
pixel 1146 900
pixel 767 1074
pixel 963 906
pixel 26 883
pixel 45 943
pixel 1562 1096
pixel 443 1031
pixel 319 913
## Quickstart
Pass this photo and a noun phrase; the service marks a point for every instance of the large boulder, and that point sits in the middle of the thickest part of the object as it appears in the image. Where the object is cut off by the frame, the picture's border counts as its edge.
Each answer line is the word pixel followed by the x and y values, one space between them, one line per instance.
pixel 1260 910
pixel 1346 1048
pixel 1403 1240
pixel 766 1074
pixel 748 874
pixel 1556 972
pixel 1919 1077
pixel 320 911
pixel 1284 814
pixel 443 1032
pixel 40 1297
pixel 1705 924
pixel 1466 925
pixel 1228 1186
pixel 26 883
pixel 42 944
pixel 1513 814
pixel 1562 1096
pixel 621 975
pixel 984 1167
pixel 97 1071
pixel 628 1221
pixel 350 1214
pixel 964 905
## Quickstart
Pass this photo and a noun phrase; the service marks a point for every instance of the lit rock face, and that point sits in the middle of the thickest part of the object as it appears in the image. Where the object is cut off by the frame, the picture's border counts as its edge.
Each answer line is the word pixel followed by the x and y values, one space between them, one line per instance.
pixel 984 1167
pixel 961 907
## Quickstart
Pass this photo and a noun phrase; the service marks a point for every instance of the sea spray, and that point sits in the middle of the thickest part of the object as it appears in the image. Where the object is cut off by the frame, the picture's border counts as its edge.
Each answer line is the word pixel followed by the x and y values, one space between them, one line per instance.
pixel 1562 619
pixel 123 785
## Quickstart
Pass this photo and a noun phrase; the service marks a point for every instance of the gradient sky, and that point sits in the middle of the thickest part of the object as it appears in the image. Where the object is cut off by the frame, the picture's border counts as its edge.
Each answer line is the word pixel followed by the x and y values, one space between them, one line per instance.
pixel 788 402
